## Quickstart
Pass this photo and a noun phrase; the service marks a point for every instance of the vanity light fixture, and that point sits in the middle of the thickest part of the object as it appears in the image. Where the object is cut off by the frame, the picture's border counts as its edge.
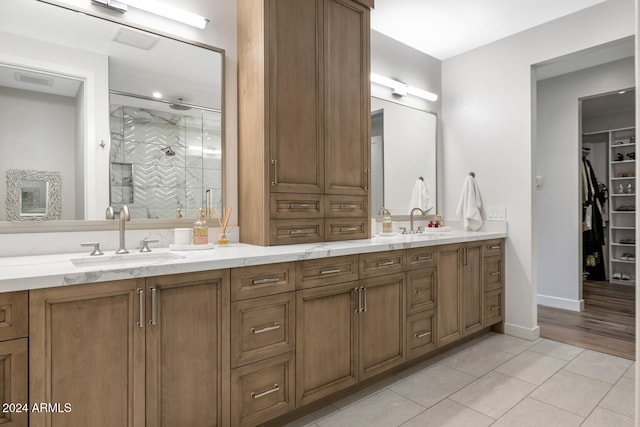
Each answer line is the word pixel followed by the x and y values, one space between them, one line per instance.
pixel 402 89
pixel 157 8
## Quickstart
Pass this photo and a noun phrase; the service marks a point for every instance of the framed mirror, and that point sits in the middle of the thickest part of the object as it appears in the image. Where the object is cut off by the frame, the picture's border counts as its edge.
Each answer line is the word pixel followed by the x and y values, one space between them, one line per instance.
pixel 403 158
pixel 86 106
pixel 33 195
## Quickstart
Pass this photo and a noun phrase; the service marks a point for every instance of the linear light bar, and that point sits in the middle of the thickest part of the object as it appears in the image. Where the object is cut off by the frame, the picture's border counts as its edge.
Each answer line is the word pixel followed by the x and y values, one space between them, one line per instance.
pixel 157 8
pixel 402 89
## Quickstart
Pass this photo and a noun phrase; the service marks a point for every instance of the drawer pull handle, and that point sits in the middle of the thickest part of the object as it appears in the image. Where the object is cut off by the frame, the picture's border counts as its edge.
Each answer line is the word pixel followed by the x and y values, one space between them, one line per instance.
pixel 419 291
pixel 264 393
pixel 275 172
pixel 154 307
pixel 494 308
pixel 348 228
pixel 347 206
pixel 267 329
pixel 384 263
pixel 140 293
pixel 494 247
pixel 424 334
pixel 299 206
pixel 335 270
pixel 302 231
pixel 494 273
pixel 424 258
pixel 266 280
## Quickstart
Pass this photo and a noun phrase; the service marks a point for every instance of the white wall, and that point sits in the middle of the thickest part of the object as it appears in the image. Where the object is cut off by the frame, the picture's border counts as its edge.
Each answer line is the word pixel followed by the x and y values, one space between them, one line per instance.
pixel 488 126
pixel 558 208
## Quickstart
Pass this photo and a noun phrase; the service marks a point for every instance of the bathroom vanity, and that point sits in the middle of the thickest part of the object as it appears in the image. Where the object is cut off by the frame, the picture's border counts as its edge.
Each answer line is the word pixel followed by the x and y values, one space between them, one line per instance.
pixel 238 335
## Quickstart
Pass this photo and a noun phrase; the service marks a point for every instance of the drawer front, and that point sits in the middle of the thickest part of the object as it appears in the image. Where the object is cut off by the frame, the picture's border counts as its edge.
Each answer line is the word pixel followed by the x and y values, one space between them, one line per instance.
pixel 262 327
pixel 493 307
pixel 421 290
pixel 493 272
pixel 381 263
pixel 346 206
pixel 292 231
pixel 421 333
pixel 326 271
pixel 14 315
pixel 493 247
pixel 262 390
pixel 286 205
pixel 421 257
pixel 346 229
pixel 262 280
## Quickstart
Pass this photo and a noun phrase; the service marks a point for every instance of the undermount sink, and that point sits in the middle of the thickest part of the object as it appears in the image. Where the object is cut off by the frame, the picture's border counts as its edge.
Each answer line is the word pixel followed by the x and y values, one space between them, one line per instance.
pixel 129 259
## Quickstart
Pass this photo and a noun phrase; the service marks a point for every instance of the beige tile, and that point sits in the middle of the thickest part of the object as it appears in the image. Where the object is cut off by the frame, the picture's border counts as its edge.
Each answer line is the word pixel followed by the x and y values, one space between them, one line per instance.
pixel 432 361
pixel 507 343
pixel 476 360
pixel 367 392
pixel 621 398
pixel 533 413
pixel 430 386
pixel 493 394
pixel 572 392
pixel 383 409
pixel 311 419
pixel 600 366
pixel 603 418
pixel 557 349
pixel 533 367
pixel 449 414
pixel 631 372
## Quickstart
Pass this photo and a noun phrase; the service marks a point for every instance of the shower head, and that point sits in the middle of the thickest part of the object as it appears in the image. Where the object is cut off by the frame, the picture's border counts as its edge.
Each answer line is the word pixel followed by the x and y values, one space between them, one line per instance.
pixel 179 105
pixel 168 151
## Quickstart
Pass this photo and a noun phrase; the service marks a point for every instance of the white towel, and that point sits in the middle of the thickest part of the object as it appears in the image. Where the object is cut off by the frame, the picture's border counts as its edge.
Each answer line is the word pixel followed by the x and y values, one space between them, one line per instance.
pixel 470 204
pixel 420 197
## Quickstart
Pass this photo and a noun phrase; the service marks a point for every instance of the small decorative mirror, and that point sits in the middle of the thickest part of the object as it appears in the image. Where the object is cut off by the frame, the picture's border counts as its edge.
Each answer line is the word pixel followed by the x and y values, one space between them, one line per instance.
pixel 33 195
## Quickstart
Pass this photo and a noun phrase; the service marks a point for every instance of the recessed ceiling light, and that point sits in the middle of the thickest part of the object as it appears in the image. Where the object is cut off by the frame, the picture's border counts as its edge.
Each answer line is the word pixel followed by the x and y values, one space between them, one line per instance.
pixel 622 92
pixel 157 95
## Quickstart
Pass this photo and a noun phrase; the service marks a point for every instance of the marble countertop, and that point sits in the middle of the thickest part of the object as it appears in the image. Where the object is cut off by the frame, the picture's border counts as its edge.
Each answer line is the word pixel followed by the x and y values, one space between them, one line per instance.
pixel 43 271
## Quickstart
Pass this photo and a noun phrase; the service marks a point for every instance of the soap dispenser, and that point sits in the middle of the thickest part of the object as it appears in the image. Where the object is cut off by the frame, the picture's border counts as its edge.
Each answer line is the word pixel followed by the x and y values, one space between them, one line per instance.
pixel 387 223
pixel 200 230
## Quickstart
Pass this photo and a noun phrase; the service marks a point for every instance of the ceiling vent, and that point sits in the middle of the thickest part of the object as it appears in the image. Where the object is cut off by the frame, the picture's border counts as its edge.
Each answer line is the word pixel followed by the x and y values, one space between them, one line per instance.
pixel 135 38
pixel 34 79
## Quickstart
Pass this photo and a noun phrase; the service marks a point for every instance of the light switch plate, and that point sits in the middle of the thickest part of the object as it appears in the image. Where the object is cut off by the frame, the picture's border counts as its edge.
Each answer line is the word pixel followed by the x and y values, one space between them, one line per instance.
pixel 496 213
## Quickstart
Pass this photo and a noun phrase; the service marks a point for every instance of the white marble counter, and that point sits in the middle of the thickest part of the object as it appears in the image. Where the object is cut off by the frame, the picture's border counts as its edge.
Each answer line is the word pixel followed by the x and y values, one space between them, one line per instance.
pixel 43 271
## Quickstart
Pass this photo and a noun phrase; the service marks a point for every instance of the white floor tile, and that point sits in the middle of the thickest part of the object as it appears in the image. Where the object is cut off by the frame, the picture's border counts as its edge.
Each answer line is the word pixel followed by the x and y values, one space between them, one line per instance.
pixel 493 394
pixel 476 360
pixel 572 392
pixel 621 398
pixel 449 414
pixel 432 385
pixel 631 372
pixel 600 366
pixel 533 367
pixel 603 418
pixel 533 413
pixel 557 349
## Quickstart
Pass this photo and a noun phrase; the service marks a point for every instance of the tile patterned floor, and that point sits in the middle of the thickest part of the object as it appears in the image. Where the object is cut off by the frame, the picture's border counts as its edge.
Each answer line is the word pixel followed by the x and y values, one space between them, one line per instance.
pixel 495 380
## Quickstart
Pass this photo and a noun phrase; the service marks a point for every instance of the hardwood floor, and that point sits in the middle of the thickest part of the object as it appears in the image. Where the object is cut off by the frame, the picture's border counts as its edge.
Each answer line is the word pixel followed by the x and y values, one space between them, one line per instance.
pixel 607 323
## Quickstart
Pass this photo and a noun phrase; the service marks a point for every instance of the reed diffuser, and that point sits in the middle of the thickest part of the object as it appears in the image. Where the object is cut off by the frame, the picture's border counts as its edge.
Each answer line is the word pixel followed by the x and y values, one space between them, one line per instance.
pixel 223 222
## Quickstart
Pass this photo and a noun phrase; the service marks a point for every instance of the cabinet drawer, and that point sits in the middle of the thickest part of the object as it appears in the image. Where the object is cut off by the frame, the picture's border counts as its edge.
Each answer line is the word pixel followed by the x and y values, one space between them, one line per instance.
pixel 262 280
pixel 493 307
pixel 286 205
pixel 346 206
pixel 420 333
pixel 326 271
pixel 380 263
pixel 262 390
pixel 292 231
pixel 421 257
pixel 262 327
pixel 421 290
pixel 346 229
pixel 493 271
pixel 493 247
pixel 14 315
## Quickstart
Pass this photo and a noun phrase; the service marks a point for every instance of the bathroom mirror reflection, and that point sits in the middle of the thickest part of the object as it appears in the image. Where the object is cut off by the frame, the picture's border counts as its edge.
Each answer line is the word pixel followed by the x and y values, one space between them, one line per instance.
pixel 33 195
pixel 116 95
pixel 403 158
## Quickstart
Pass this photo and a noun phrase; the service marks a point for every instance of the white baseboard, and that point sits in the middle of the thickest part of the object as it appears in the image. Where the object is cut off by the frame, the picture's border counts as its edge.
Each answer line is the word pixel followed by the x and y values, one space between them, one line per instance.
pixel 522 332
pixel 566 304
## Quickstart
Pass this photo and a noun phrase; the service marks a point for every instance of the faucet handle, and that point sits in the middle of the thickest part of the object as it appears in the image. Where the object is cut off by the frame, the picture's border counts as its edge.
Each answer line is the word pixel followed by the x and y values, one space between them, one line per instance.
pixel 404 230
pixel 96 248
pixel 420 229
pixel 145 244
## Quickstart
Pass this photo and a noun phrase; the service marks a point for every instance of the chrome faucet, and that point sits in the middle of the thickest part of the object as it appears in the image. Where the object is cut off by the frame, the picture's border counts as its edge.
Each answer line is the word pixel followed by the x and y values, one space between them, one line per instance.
pixel 124 216
pixel 411 218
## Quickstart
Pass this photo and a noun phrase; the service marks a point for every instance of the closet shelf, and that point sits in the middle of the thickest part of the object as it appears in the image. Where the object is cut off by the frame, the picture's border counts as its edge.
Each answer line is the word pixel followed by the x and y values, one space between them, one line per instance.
pixel 628 144
pixel 622 194
pixel 617 178
pixel 623 282
pixel 622 228
pixel 618 162
pixel 623 261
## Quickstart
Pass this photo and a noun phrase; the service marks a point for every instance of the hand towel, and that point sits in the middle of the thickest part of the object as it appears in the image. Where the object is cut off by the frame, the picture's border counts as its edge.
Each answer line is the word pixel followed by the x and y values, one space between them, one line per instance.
pixel 470 204
pixel 420 197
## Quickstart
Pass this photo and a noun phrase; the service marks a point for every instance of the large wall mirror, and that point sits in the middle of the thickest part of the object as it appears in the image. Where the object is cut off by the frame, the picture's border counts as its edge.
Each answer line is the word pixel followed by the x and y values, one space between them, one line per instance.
pixel 403 158
pixel 124 116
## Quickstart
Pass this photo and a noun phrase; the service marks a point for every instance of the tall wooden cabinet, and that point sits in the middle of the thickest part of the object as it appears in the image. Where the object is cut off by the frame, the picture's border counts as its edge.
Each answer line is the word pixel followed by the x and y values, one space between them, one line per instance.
pixel 303 81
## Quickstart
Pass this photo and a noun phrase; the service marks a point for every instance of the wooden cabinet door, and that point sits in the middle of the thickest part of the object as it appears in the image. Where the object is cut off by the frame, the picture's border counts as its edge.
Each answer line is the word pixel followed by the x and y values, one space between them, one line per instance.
pixel 449 322
pixel 325 341
pixel 87 350
pixel 14 376
pixel 472 293
pixel 184 348
pixel 381 325
pixel 347 92
pixel 295 96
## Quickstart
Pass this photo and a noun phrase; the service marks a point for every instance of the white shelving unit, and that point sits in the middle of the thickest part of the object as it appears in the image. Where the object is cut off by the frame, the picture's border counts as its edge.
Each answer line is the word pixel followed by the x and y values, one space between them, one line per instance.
pixel 622 247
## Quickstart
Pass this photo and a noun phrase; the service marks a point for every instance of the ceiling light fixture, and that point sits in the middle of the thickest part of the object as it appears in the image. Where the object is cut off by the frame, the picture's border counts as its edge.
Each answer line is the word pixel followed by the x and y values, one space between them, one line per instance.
pixel 402 89
pixel 156 8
